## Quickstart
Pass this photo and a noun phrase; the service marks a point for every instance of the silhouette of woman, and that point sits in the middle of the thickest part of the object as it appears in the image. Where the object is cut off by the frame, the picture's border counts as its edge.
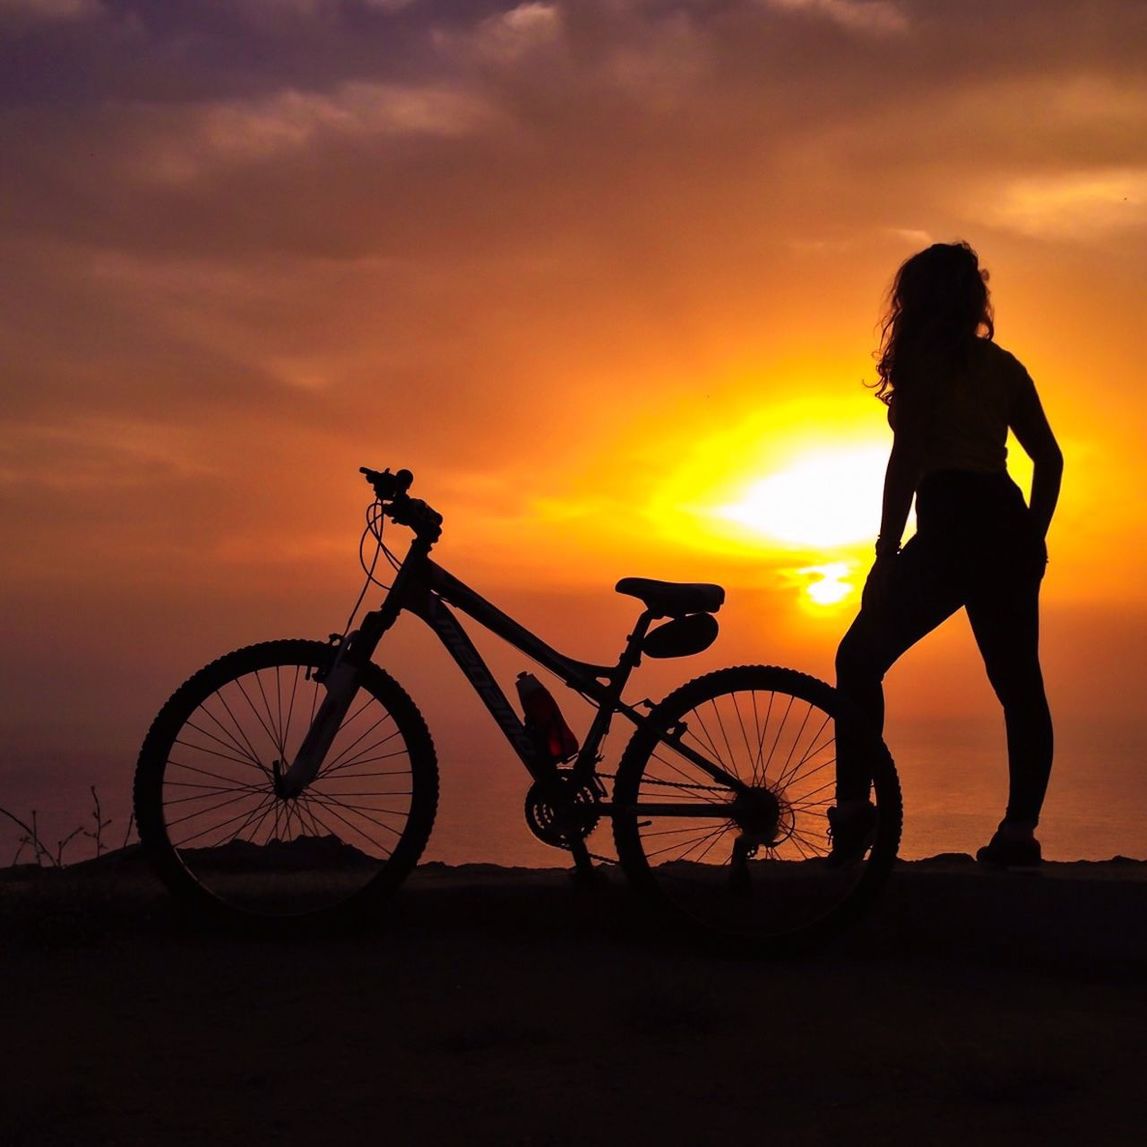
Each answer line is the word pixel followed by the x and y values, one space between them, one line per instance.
pixel 952 396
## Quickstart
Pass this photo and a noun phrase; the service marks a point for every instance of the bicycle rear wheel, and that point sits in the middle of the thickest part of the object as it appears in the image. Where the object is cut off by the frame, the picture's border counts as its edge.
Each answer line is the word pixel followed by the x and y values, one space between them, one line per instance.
pixel 749 869
pixel 205 800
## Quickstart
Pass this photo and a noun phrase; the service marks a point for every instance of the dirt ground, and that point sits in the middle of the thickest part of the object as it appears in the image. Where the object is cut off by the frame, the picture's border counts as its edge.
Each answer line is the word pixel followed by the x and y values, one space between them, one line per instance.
pixel 505 1007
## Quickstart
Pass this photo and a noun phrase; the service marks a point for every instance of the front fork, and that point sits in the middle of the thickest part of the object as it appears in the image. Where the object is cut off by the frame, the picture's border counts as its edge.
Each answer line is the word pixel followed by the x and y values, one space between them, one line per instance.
pixel 341 682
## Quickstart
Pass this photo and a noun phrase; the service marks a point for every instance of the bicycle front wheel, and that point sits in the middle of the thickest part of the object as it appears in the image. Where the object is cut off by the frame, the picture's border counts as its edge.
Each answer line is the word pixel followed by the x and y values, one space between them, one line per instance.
pixel 746 861
pixel 216 830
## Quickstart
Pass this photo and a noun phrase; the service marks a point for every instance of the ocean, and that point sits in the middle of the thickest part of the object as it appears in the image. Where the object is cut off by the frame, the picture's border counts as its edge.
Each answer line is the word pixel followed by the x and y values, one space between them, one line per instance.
pixel 953 774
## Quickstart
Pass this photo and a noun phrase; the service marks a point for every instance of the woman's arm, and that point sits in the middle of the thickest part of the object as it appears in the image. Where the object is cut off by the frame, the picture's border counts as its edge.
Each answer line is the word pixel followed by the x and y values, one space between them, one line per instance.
pixel 900 479
pixel 1032 430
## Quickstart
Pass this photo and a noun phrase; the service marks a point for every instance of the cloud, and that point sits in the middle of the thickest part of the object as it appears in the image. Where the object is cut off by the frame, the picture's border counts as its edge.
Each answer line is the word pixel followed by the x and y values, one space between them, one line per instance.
pixel 880 17
pixel 83 456
pixel 1075 206
pixel 526 29
pixel 258 130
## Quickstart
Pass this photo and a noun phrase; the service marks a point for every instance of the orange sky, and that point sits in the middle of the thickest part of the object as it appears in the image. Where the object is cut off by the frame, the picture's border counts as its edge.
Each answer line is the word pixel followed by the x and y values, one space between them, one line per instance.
pixel 605 275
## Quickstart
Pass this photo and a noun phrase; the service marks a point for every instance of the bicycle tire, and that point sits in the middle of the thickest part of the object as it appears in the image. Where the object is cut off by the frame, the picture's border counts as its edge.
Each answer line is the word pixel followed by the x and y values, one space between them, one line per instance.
pixel 205 805
pixel 769 726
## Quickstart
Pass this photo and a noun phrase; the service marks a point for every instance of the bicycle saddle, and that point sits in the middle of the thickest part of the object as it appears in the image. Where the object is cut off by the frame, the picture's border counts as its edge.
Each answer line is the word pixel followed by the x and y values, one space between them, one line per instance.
pixel 673 598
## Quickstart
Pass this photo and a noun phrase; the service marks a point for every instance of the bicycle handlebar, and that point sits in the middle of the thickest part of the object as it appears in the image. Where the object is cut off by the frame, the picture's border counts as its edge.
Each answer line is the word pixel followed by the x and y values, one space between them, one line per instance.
pixel 387 485
pixel 390 489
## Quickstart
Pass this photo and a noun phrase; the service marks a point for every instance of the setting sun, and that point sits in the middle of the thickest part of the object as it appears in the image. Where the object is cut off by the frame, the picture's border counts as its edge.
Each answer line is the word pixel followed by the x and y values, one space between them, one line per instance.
pixel 827 584
pixel 826 498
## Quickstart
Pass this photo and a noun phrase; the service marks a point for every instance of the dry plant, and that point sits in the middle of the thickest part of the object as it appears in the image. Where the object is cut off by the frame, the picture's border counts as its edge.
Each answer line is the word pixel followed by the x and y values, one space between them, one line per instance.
pixel 43 855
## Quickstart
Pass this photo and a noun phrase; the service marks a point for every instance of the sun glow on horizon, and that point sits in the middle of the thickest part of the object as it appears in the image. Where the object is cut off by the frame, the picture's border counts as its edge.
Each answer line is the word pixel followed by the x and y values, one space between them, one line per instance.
pixel 828 585
pixel 825 498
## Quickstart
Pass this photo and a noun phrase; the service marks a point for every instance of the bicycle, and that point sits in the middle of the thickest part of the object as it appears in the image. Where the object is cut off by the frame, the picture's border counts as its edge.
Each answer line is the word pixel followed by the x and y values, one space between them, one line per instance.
pixel 297 779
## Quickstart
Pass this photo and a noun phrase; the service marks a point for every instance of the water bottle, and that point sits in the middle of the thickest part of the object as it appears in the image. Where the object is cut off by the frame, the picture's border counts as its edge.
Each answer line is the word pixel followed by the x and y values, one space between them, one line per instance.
pixel 544 720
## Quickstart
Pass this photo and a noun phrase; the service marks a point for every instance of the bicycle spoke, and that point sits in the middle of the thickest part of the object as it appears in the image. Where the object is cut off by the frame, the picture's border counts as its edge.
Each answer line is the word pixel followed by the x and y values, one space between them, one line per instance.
pixel 829 784
pixel 276 735
pixel 207 811
pixel 291 706
pixel 829 764
pixel 374 844
pixel 360 760
pixel 711 838
pixel 758 753
pixel 760 766
pixel 254 711
pixel 359 776
pixel 324 800
pixel 334 764
pixel 340 796
pixel 250 751
pixel 799 838
pixel 745 738
pixel 222 756
pixel 305 812
pixel 704 834
pixel 222 824
pixel 790 774
pixel 202 797
pixel 229 787
pixel 332 810
pixel 707 848
pixel 725 736
pixel 258 815
pixel 203 812
pixel 250 760
pixel 794 743
pixel 231 783
pixel 240 743
pixel 708 744
pixel 679 771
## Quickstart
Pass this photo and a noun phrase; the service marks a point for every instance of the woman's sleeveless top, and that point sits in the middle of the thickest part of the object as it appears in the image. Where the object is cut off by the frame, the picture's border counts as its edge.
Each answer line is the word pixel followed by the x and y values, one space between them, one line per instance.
pixel 956 415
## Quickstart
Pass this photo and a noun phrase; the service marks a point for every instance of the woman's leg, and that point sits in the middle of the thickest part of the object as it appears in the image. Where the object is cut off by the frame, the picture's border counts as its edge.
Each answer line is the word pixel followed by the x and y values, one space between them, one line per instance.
pixel 1005 621
pixel 924 590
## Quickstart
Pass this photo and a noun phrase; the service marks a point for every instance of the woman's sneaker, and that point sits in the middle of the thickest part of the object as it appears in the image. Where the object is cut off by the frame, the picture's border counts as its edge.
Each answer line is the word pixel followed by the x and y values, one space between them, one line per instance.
pixel 1002 852
pixel 851 830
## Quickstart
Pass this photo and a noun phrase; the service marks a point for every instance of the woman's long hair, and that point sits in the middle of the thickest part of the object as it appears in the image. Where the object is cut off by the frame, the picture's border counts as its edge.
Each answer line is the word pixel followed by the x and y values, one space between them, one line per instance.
pixel 937 306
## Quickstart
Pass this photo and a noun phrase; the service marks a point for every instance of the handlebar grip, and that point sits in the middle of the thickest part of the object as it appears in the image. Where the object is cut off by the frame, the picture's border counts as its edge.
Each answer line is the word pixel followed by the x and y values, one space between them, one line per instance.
pixel 387 485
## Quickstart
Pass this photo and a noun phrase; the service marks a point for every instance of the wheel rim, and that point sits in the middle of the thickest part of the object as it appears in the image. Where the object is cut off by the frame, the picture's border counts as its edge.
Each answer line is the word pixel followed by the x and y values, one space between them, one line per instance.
pixel 255 851
pixel 757 867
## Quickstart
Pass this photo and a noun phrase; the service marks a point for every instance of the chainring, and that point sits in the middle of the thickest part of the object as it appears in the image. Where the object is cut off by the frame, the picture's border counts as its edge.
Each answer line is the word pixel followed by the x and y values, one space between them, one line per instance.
pixel 574 814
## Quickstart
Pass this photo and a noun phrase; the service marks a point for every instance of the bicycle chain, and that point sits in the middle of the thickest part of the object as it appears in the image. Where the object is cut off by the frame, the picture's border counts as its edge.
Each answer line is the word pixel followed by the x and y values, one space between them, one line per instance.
pixel 672 784
pixel 612 860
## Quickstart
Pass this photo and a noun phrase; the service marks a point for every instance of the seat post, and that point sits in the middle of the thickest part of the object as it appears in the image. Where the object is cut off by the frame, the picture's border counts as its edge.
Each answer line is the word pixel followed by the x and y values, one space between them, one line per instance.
pixel 631 657
pixel 628 661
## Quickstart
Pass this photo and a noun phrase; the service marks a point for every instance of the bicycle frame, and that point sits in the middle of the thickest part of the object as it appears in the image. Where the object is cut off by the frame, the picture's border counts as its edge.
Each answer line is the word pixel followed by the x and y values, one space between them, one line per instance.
pixel 424 588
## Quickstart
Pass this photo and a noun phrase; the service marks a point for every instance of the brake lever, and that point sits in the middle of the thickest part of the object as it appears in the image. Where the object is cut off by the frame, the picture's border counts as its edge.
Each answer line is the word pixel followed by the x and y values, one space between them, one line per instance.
pixel 388 486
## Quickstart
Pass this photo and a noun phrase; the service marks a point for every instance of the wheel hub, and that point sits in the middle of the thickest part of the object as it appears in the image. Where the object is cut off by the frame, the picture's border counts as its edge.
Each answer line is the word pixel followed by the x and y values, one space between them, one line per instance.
pixel 763 817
